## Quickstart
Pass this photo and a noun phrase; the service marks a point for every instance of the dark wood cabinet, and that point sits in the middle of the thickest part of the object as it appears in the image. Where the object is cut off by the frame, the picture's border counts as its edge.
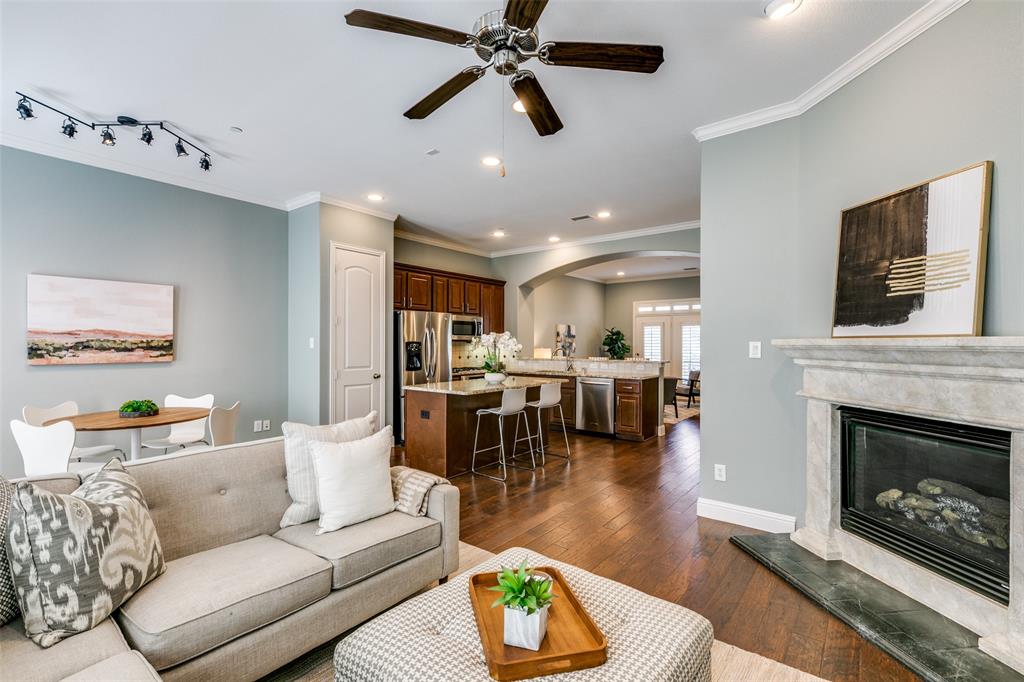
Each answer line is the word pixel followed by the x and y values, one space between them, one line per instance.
pixel 568 405
pixel 400 277
pixel 472 298
pixel 440 294
pixel 627 414
pixel 492 307
pixel 637 408
pixel 456 295
pixel 418 292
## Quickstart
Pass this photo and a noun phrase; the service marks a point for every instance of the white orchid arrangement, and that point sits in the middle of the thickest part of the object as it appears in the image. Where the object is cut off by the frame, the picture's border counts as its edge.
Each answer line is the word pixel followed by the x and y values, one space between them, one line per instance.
pixel 497 349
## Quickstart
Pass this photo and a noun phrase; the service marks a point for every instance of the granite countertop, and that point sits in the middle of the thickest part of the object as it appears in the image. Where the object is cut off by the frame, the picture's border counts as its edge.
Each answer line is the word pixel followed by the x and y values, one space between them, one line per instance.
pixel 479 386
pixel 597 374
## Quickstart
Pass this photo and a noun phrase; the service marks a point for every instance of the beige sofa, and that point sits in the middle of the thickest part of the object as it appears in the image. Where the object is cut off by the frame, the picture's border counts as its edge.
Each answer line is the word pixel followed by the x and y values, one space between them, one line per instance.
pixel 241 596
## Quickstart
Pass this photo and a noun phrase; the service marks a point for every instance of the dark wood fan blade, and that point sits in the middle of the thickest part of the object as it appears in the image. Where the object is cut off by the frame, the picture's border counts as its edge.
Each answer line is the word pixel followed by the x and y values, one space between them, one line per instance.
pixel 524 13
pixel 614 56
pixel 385 22
pixel 453 86
pixel 538 107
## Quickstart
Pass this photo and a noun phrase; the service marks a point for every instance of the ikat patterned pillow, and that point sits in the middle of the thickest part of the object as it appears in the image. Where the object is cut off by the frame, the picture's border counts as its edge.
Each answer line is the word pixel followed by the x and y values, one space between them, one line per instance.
pixel 8 599
pixel 75 558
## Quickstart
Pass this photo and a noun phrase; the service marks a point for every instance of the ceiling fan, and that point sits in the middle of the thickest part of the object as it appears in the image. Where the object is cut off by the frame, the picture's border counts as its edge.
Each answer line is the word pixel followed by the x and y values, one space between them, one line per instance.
pixel 504 40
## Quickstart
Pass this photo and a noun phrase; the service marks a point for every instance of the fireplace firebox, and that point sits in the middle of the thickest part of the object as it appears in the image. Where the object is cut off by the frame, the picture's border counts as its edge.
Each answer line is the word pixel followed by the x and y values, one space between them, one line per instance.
pixel 936 493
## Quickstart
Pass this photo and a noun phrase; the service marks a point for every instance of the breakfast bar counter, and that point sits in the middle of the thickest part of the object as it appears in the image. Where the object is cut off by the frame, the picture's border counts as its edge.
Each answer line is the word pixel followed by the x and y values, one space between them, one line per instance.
pixel 440 421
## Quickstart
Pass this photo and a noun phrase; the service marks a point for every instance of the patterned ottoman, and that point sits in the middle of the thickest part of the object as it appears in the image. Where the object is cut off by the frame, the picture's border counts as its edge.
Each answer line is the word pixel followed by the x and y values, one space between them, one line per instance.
pixel 434 636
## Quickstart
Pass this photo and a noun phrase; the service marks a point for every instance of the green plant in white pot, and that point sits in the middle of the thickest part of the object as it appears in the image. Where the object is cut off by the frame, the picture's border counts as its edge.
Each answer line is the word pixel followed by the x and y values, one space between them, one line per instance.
pixel 497 348
pixel 526 597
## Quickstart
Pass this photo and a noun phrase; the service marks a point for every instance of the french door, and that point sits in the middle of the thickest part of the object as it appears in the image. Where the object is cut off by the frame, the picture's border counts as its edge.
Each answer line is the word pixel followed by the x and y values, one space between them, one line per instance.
pixel 672 338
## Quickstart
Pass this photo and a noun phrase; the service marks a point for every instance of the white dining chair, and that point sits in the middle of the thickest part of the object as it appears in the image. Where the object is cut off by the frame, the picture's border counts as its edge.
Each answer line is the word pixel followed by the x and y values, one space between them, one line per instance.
pixel 37 416
pixel 186 433
pixel 44 449
pixel 223 423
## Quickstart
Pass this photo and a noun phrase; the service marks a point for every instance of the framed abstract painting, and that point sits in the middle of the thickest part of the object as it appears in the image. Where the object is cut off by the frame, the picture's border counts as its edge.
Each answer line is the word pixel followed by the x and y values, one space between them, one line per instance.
pixel 912 263
pixel 75 321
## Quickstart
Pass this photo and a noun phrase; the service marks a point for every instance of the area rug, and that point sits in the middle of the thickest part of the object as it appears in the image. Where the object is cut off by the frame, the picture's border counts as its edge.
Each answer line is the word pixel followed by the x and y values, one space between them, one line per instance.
pixel 728 663
pixel 684 413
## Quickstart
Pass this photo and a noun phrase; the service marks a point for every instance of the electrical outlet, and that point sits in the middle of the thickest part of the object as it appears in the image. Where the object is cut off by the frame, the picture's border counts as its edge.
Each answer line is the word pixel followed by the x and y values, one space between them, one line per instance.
pixel 755 350
pixel 257 426
pixel 266 424
pixel 719 472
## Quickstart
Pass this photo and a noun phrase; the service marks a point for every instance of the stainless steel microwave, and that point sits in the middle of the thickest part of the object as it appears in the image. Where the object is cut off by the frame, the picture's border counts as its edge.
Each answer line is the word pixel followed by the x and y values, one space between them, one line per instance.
pixel 466 327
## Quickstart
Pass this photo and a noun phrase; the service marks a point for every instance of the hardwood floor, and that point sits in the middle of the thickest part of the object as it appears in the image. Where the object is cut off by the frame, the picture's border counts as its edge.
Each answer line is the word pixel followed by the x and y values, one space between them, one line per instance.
pixel 628 511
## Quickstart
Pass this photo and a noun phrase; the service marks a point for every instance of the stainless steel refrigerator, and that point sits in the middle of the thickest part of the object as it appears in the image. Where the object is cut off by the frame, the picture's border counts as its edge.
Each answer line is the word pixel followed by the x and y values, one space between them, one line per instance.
pixel 423 353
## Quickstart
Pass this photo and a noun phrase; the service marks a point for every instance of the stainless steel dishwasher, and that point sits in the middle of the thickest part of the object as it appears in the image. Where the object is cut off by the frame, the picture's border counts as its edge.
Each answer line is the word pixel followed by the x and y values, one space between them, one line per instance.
pixel 595 404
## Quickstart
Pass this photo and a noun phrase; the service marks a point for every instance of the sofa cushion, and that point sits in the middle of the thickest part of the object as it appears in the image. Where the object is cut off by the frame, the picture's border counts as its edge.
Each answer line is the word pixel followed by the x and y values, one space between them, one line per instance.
pixel 23 659
pixel 353 480
pixel 204 600
pixel 127 667
pixel 359 551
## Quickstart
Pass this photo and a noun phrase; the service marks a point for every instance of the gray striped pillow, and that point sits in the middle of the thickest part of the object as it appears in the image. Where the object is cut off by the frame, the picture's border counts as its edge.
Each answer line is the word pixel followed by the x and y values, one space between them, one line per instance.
pixel 298 461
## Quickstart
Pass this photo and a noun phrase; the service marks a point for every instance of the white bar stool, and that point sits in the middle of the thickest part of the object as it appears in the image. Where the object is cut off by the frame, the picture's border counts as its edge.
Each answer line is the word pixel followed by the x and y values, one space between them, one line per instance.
pixel 550 396
pixel 513 402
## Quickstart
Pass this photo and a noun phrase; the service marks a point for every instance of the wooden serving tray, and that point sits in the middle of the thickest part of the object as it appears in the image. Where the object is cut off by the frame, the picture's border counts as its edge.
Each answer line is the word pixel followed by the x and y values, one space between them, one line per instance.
pixel 573 641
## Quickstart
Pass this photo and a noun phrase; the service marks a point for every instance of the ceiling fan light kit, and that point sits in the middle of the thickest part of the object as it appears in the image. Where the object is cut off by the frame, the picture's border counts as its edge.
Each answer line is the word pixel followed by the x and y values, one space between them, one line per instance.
pixel 504 40
pixel 779 9
pixel 70 128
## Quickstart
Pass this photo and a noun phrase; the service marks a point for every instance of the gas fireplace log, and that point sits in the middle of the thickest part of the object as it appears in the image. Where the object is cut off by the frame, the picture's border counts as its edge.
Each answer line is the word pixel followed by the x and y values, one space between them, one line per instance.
pixel 975 535
pixel 933 487
pixel 947 513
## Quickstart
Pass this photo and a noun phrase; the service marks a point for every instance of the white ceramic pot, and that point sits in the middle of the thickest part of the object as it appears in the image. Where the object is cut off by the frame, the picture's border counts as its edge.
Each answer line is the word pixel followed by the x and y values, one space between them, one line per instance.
pixel 494 377
pixel 526 631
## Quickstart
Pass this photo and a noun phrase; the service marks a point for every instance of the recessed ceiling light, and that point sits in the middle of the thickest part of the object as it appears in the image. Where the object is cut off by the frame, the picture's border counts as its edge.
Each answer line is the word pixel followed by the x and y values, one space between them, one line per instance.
pixel 777 9
pixel 554 238
pixel 518 106
pixel 620 273
pixel 498 233
pixel 235 129
pixel 604 214
pixel 374 196
pixel 490 161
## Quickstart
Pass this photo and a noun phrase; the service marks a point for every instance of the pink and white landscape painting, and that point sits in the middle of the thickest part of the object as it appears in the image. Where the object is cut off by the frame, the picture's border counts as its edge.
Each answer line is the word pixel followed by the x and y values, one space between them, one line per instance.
pixel 75 321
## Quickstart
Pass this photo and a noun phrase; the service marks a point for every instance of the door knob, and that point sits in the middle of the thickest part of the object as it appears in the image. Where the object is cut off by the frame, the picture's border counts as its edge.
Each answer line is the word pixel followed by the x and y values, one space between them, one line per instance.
pixel 376 375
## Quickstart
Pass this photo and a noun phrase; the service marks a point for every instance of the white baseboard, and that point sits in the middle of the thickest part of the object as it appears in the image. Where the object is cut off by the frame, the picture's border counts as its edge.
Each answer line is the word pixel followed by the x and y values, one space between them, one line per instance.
pixel 745 516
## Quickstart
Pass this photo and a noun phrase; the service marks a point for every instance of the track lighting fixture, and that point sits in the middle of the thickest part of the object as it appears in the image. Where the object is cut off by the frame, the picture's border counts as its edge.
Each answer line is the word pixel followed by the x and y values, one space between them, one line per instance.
pixel 25 109
pixel 70 128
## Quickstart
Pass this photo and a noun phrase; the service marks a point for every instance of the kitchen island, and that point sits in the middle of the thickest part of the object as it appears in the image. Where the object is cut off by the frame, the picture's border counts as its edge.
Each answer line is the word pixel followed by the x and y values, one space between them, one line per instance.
pixel 440 420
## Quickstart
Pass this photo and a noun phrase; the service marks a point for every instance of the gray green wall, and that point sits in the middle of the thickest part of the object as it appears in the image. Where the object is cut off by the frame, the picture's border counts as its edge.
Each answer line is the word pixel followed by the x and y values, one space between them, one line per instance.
pixel 770 204
pixel 304 314
pixel 570 300
pixel 619 298
pixel 227 261
pixel 439 258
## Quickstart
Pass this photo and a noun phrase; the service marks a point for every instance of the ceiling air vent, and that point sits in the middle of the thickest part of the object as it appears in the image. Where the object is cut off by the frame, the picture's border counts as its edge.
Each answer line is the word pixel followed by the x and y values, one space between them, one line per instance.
pixel 580 217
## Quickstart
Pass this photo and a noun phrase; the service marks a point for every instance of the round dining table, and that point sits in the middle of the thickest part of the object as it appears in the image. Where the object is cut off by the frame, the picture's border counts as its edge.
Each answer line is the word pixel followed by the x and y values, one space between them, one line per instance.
pixel 113 421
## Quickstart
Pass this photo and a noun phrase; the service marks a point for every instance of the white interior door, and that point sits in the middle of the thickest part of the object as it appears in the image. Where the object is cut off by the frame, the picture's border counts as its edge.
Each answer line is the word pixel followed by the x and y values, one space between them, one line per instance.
pixel 357 338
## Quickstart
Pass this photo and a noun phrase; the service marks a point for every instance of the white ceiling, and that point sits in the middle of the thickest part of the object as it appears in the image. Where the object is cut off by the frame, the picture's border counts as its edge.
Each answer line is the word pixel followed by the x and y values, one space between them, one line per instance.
pixel 321 102
pixel 641 268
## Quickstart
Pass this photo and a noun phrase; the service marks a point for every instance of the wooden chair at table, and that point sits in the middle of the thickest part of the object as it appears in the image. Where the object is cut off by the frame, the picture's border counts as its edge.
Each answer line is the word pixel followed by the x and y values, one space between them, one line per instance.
pixel 37 416
pixel 185 433
pixel 44 449
pixel 692 388
pixel 669 388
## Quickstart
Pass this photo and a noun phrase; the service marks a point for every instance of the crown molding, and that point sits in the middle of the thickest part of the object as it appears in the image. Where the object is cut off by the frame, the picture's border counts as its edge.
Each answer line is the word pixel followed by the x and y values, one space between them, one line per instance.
pixel 917 23
pixel 441 243
pixel 318 198
pixel 597 239
pixel 110 163
pixel 653 278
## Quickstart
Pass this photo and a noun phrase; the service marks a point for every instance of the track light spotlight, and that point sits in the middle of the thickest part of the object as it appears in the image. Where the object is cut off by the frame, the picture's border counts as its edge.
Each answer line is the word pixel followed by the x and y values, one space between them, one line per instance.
pixel 204 163
pixel 147 135
pixel 179 147
pixel 69 128
pixel 107 137
pixel 25 109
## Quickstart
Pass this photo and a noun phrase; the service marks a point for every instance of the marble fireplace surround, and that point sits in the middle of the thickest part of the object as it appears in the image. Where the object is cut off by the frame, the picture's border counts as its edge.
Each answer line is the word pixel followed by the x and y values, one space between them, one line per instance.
pixel 968 380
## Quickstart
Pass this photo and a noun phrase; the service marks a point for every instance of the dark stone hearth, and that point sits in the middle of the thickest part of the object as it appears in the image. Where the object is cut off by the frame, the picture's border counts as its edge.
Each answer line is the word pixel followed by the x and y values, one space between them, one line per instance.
pixel 925 641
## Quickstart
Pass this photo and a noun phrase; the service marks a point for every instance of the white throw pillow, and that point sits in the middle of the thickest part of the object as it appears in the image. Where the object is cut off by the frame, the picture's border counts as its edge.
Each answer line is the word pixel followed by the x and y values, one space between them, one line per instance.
pixel 353 480
pixel 298 461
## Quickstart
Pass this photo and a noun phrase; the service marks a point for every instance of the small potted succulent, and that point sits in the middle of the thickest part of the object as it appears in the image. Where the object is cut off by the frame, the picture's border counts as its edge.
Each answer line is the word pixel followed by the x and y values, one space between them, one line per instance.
pixel 138 408
pixel 526 597
pixel 497 348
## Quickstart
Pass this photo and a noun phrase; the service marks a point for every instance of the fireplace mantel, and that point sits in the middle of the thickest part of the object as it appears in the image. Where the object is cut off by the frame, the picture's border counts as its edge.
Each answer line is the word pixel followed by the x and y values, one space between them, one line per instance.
pixel 968 380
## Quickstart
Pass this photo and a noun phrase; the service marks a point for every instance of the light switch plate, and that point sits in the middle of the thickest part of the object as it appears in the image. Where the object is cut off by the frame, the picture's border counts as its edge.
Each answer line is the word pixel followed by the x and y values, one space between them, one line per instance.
pixel 266 424
pixel 719 472
pixel 755 350
pixel 257 426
